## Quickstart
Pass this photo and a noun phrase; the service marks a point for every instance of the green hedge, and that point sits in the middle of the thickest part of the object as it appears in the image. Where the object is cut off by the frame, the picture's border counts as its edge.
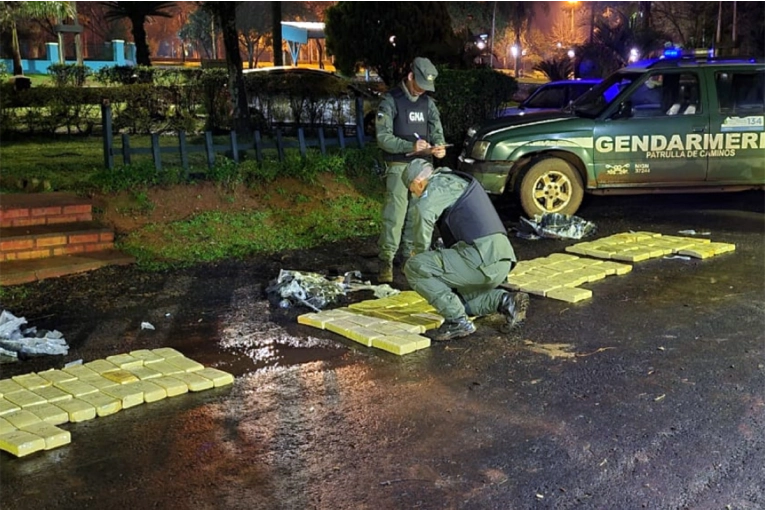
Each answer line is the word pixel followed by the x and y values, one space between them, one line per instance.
pixel 69 74
pixel 149 100
pixel 467 97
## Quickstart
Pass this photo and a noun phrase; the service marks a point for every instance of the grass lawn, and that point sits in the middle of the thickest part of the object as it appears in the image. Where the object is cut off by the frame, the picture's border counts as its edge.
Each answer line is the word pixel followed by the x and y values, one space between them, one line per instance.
pixel 67 163
pixel 77 163
pixel 165 220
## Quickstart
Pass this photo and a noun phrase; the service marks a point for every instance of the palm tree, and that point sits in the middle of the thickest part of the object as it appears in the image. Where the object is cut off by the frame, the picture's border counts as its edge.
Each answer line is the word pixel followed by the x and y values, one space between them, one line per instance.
pixel 276 19
pixel 520 16
pixel 11 13
pixel 556 69
pixel 138 13
pixel 225 12
pixel 613 39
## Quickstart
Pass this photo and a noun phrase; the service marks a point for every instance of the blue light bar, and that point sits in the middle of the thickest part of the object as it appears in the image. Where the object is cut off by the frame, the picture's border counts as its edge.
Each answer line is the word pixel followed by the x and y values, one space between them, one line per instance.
pixel 672 53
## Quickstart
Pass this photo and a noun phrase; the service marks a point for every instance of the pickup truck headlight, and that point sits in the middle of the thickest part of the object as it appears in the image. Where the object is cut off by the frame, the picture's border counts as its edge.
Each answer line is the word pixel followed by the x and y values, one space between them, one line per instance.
pixel 480 149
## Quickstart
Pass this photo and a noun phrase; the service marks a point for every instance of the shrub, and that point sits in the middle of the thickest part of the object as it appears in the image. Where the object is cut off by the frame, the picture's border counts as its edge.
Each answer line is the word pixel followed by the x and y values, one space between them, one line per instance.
pixel 556 69
pixel 124 75
pixel 72 75
pixel 213 84
pixel 467 97
pixel 4 74
pixel 225 172
pixel 256 173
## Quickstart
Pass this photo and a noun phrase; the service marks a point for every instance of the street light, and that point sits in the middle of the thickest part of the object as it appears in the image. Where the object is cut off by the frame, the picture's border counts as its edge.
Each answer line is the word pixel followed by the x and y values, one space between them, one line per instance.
pixel 514 53
pixel 573 12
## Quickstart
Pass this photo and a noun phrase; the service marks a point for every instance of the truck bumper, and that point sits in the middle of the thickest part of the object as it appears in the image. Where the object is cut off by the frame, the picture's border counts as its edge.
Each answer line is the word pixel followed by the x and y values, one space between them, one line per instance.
pixel 493 175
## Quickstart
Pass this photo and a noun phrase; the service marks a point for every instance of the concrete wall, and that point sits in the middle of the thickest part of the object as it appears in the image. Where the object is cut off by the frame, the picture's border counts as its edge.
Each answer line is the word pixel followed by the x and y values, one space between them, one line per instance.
pixel 123 54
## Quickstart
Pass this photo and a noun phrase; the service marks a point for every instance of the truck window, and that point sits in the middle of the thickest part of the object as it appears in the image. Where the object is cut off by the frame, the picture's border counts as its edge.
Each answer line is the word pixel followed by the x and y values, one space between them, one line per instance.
pixel 593 102
pixel 685 97
pixel 741 92
pixel 547 97
pixel 666 94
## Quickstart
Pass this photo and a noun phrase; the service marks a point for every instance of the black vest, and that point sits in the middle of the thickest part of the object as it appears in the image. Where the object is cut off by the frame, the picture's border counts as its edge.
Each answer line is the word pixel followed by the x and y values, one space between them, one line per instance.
pixel 471 217
pixel 410 118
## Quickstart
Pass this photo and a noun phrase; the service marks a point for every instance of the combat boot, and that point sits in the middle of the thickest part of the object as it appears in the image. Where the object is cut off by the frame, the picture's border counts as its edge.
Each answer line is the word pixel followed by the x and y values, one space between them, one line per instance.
pixel 386 273
pixel 454 328
pixel 513 306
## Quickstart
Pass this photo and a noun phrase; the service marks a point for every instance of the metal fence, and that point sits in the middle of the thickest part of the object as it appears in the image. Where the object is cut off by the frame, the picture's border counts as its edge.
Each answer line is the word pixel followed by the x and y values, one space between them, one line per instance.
pixel 235 146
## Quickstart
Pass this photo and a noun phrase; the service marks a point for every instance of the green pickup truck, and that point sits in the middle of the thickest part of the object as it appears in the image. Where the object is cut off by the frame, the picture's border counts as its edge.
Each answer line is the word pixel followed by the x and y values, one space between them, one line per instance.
pixel 669 125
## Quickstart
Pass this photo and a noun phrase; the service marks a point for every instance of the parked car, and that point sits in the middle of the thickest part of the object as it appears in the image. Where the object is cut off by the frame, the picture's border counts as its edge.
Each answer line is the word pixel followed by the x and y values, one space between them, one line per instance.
pixel 660 126
pixel 285 95
pixel 554 95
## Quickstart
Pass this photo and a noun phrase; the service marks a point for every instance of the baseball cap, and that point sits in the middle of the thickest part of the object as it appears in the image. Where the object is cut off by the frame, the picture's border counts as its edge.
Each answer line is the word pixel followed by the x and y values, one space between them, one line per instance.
pixel 425 73
pixel 417 168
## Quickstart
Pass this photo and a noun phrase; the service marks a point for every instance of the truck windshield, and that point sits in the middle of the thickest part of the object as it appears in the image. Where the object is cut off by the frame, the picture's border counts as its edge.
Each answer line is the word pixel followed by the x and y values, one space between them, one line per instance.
pixel 547 97
pixel 594 102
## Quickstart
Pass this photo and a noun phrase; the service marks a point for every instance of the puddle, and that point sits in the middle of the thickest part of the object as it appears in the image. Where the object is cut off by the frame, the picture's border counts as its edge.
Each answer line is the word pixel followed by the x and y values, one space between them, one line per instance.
pixel 250 340
pixel 238 362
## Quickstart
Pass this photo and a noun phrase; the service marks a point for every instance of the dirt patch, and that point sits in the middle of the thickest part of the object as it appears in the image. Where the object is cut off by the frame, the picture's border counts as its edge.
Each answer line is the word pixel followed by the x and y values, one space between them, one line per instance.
pixel 130 210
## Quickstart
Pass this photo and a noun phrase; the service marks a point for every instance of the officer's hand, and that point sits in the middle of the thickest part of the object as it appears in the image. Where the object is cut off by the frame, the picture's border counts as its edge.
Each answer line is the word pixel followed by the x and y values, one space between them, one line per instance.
pixel 421 145
pixel 439 151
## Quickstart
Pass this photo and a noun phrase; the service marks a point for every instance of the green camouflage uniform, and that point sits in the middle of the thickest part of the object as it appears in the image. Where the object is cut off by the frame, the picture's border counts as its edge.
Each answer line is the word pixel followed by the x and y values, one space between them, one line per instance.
pixel 397 194
pixel 461 280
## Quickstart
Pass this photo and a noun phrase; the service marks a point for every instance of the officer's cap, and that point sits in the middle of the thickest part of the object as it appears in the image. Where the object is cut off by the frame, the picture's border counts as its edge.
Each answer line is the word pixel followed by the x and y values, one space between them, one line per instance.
pixel 425 74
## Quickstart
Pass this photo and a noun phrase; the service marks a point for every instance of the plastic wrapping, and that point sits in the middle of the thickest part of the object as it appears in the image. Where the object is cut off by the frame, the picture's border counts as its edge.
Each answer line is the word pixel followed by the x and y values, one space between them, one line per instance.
pixel 28 341
pixel 316 291
pixel 555 226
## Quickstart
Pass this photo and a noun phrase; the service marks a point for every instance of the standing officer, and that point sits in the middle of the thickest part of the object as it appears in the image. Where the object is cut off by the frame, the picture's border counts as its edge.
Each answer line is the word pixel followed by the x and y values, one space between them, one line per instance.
pixel 407 121
pixel 461 279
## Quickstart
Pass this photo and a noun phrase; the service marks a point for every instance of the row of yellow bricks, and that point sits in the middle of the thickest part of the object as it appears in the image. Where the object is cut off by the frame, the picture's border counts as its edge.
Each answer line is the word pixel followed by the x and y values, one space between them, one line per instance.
pixel 559 275
pixel 395 324
pixel 31 405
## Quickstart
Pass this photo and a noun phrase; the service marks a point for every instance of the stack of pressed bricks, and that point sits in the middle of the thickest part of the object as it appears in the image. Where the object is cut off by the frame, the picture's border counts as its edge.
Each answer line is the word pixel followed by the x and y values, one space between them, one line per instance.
pixel 47 235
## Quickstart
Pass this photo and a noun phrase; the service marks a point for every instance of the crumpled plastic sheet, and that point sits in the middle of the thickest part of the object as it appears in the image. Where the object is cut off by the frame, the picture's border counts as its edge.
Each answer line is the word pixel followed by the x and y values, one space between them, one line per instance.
pixel 16 342
pixel 317 291
pixel 555 226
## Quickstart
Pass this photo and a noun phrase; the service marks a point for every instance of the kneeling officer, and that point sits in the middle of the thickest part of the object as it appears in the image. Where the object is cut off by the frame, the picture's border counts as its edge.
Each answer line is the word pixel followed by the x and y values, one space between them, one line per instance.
pixel 461 279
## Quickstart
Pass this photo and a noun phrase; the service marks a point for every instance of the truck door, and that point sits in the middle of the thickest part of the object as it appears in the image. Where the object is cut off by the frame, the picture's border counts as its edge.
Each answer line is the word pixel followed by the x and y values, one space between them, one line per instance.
pixel 656 138
pixel 736 146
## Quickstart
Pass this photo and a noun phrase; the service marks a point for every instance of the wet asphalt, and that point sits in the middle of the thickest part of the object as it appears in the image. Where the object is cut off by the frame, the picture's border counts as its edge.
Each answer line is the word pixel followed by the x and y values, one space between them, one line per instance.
pixel 654 397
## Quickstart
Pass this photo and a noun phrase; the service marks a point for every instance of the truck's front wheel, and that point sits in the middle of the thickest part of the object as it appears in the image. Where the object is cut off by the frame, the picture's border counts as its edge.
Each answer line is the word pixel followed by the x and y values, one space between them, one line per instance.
pixel 550 185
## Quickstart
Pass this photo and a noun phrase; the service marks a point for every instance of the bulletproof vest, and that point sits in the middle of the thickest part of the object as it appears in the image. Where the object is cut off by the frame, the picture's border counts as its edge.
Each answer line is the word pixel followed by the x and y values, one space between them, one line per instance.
pixel 410 118
pixel 471 217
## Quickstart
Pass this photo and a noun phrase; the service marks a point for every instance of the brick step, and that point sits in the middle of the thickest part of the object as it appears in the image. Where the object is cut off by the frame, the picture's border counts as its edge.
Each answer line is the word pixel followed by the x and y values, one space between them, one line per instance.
pixel 42 241
pixel 26 209
pixel 15 272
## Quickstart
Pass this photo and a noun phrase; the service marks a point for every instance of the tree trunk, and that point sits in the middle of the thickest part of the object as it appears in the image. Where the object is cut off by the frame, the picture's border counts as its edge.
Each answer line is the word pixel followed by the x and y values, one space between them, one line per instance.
pixel 250 53
pixel 518 56
pixel 141 46
pixel 276 14
pixel 241 111
pixel 18 70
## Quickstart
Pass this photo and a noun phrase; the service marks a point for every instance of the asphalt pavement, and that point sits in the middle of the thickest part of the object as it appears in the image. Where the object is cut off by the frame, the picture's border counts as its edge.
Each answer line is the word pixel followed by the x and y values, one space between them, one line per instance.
pixel 651 394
